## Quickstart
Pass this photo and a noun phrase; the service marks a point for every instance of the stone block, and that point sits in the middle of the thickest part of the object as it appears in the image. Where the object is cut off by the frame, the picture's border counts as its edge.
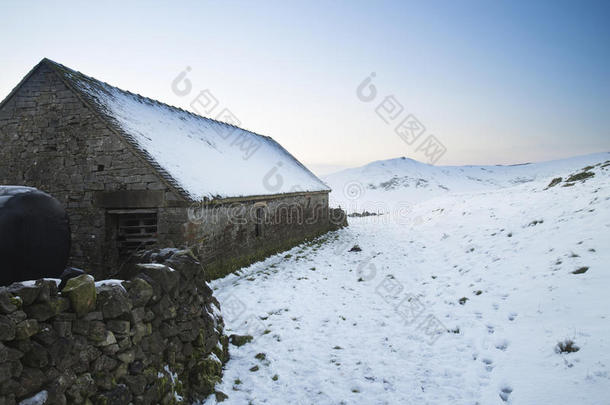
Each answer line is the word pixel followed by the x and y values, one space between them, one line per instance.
pixel 82 294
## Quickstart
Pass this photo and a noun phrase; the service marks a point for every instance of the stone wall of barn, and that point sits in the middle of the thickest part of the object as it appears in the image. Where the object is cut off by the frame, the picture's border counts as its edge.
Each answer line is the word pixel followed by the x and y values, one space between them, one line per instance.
pixel 153 339
pixel 231 235
pixel 52 141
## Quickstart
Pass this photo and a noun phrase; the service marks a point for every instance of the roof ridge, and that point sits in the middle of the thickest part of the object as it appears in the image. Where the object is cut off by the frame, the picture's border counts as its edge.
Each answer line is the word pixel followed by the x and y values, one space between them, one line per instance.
pixel 152 100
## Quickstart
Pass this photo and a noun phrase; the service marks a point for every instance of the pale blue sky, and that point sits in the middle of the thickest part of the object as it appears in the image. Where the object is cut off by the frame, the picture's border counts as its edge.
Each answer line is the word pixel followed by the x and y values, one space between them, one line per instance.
pixel 495 82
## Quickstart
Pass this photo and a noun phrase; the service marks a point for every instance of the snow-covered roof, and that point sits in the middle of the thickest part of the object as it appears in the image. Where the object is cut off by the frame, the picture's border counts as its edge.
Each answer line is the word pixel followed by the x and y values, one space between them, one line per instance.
pixel 201 157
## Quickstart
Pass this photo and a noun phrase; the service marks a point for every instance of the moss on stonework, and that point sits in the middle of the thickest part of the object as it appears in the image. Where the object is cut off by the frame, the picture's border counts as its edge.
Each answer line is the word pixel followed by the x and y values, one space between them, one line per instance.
pixel 205 375
pixel 16 301
pixel 222 352
pixel 101 400
pixel 207 370
pixel 165 384
pixel 211 367
pixel 218 352
pixel 221 268
pixel 149 372
pixel 199 354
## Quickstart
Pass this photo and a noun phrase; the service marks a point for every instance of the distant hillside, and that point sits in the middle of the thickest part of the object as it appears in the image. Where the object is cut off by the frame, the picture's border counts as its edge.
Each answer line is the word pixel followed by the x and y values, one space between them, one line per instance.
pixel 385 184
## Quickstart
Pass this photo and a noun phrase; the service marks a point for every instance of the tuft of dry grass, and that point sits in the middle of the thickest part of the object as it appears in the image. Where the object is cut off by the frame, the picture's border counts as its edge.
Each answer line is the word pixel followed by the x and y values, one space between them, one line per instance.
pixel 581 270
pixel 580 176
pixel 554 182
pixel 567 346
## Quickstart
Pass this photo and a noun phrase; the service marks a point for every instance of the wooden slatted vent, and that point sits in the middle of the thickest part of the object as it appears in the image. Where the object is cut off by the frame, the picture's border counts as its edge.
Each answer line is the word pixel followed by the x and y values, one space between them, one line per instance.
pixel 137 232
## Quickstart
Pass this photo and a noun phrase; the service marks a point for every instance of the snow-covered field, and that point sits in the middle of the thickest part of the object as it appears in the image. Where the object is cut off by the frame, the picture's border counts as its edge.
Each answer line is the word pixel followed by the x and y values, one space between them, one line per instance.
pixel 460 299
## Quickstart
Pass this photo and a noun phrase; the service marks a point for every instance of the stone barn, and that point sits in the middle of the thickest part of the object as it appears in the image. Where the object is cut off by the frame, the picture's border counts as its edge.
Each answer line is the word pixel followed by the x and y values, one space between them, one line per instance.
pixel 135 174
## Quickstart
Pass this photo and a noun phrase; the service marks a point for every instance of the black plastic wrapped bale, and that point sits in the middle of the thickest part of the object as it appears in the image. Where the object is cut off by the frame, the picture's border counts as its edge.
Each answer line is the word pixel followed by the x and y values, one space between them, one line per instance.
pixel 34 235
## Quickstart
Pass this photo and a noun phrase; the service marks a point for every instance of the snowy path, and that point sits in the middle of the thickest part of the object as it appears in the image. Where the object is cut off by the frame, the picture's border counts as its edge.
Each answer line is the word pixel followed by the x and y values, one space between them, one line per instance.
pixel 492 268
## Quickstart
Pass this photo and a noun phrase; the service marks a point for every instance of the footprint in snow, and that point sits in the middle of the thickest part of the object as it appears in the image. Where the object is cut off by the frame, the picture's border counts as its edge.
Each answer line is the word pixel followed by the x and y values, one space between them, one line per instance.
pixel 505 393
pixel 502 344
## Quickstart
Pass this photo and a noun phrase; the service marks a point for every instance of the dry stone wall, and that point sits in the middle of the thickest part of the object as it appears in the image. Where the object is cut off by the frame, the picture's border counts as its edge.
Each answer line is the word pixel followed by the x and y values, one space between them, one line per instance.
pixel 155 338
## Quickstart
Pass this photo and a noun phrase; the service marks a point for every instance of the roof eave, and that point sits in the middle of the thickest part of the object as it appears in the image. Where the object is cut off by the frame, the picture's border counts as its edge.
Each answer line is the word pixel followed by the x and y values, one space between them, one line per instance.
pixel 224 200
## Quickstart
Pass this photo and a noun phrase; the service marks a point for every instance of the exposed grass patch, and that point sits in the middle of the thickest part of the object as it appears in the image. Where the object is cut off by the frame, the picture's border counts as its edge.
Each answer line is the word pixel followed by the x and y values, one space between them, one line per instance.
pixel 463 300
pixel 554 182
pixel 240 340
pixel 580 176
pixel 567 346
pixel 356 248
pixel 581 270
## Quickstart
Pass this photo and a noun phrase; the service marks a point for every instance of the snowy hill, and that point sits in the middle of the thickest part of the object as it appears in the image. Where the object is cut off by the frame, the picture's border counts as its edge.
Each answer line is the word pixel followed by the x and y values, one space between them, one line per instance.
pixel 492 296
pixel 387 185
